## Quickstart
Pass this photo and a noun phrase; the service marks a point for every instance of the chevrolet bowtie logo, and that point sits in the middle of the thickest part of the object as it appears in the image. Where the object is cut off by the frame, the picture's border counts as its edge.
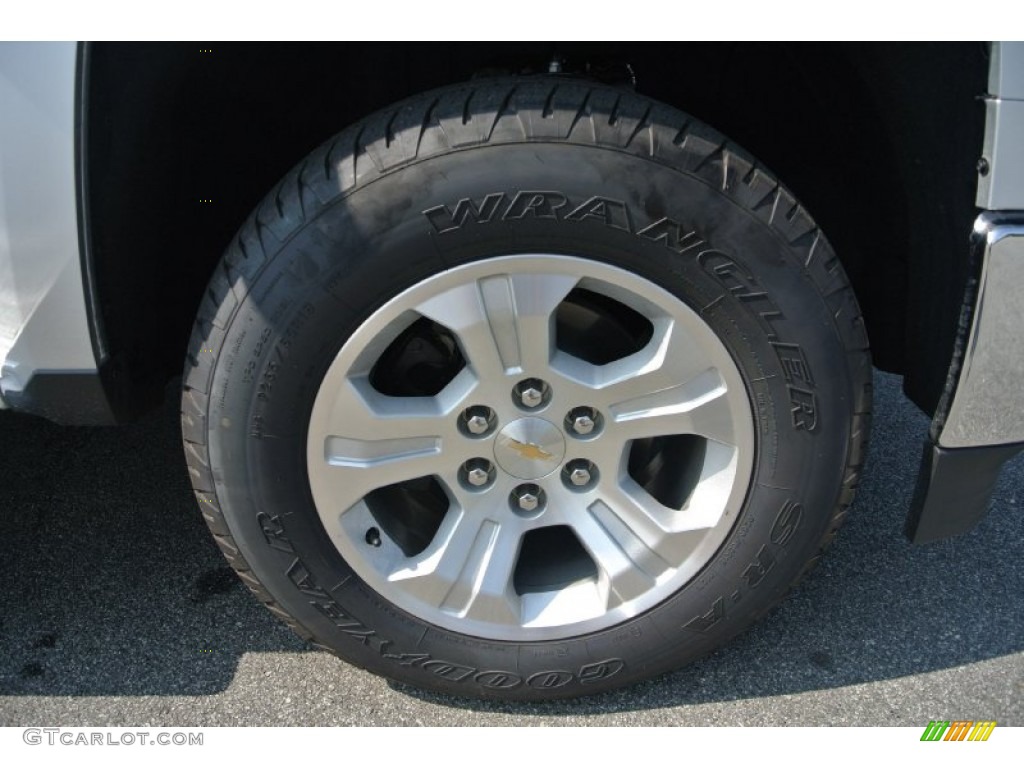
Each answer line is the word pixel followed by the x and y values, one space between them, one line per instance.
pixel 529 450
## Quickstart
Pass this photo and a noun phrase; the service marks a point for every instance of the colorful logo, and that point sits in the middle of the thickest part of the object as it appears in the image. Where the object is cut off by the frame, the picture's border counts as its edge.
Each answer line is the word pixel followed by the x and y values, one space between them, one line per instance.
pixel 958 730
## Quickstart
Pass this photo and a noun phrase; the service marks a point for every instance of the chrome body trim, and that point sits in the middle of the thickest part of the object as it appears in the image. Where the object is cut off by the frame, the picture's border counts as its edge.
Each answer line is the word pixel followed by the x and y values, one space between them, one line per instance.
pixel 987 405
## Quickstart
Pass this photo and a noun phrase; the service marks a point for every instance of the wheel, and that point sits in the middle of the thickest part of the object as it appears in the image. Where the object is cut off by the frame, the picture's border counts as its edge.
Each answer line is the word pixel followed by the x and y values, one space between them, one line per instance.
pixel 526 389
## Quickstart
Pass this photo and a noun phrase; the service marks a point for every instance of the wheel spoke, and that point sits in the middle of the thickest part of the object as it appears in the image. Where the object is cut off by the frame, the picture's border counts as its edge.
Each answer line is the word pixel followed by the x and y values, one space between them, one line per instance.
pixel 361 413
pixel 649 533
pixel 699 406
pixel 503 322
pixel 537 297
pixel 352 468
pixel 467 570
pixel 716 480
pixel 671 356
pixel 627 566
pixel 371 440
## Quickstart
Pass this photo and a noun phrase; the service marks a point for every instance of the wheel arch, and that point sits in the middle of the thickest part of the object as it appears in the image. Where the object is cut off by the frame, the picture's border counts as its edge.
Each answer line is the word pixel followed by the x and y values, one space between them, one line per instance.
pixel 851 129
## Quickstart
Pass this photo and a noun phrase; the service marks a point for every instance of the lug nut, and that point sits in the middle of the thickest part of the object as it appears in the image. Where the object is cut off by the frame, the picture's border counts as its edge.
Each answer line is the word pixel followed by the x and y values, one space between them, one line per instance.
pixel 583 425
pixel 579 474
pixel 477 476
pixel 531 393
pixel 476 424
pixel 527 499
pixel 477 473
pixel 582 421
pixel 477 420
pixel 532 397
pixel 579 477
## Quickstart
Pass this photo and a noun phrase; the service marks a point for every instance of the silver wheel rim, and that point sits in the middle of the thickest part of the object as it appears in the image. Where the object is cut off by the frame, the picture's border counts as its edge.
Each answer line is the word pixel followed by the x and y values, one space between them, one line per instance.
pixel 680 388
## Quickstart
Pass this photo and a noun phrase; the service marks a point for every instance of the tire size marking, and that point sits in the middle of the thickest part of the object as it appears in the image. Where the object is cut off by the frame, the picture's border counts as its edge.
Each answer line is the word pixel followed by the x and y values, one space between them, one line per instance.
pixel 322 601
pixel 674 235
pixel 786 522
pixel 249 372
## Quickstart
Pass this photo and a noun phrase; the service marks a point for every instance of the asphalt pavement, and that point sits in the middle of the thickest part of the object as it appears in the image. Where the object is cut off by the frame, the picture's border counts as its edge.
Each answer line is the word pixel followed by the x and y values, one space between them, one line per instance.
pixel 117 609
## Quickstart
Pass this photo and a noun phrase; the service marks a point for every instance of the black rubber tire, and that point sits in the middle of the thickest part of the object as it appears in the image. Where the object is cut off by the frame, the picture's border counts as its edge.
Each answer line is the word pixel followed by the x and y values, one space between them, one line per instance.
pixel 360 219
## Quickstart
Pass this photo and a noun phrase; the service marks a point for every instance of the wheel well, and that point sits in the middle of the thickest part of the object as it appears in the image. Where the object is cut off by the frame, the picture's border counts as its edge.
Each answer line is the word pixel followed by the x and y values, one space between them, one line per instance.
pixel 182 140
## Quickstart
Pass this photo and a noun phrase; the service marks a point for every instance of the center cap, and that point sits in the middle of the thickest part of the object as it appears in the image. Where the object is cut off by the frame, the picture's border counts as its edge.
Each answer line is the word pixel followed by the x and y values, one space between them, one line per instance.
pixel 529 448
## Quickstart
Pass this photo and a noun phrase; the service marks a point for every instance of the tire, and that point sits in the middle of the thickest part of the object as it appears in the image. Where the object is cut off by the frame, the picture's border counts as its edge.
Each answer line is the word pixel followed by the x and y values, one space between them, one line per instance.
pixel 526 389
